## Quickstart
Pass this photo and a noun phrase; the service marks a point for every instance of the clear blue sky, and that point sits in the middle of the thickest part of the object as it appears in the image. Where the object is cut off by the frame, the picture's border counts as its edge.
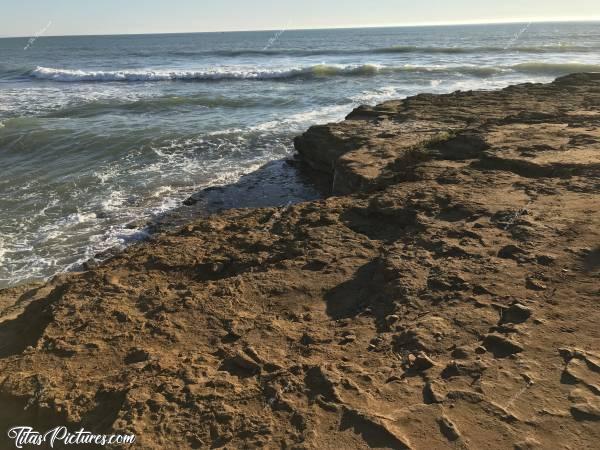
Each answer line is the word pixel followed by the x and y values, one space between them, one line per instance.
pixel 26 17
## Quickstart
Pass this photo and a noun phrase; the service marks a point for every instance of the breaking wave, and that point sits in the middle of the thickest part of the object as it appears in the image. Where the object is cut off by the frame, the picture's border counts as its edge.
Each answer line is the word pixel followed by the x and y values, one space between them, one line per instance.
pixel 314 71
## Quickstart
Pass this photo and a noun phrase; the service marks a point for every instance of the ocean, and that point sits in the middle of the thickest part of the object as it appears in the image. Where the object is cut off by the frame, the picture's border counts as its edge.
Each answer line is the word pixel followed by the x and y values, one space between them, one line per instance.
pixel 98 133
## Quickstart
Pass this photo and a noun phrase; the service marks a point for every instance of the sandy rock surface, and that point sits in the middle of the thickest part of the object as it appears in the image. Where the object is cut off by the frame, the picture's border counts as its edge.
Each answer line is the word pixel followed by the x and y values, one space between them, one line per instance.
pixel 447 296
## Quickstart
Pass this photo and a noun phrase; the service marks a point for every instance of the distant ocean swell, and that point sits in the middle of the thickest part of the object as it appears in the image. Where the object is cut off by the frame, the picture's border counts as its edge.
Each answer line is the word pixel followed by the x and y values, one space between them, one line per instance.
pixel 313 71
pixel 385 50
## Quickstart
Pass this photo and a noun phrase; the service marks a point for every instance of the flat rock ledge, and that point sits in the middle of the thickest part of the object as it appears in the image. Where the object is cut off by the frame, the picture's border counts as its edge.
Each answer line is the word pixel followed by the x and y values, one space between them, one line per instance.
pixel 445 296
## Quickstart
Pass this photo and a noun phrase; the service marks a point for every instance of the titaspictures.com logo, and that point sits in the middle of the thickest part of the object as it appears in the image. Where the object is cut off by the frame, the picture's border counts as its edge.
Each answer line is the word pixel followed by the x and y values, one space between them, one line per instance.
pixel 28 436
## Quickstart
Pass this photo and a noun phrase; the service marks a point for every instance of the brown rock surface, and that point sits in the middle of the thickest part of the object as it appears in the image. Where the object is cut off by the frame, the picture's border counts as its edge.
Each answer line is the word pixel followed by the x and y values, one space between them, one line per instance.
pixel 395 316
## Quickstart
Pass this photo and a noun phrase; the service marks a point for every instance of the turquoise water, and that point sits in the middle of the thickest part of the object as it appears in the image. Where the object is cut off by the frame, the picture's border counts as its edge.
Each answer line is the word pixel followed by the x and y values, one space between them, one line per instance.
pixel 97 132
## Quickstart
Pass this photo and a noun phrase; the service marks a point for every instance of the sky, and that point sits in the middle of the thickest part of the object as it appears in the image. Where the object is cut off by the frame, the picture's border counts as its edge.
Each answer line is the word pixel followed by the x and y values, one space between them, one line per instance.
pixel 74 17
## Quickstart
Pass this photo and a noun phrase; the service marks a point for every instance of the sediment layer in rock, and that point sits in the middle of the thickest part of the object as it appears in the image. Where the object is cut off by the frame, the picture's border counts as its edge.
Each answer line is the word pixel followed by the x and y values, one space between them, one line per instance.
pixel 448 299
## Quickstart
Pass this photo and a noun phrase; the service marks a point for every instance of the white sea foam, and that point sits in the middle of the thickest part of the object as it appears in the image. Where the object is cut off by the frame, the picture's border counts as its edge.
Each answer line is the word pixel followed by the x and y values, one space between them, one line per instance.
pixel 114 201
pixel 312 71
pixel 377 95
pixel 249 73
pixel 68 75
pixel 2 251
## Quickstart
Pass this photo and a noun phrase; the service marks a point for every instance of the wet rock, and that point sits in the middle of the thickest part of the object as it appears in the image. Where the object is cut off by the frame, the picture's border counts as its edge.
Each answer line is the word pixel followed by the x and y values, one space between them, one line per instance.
pixel 190 201
pixel 137 224
pixel 90 264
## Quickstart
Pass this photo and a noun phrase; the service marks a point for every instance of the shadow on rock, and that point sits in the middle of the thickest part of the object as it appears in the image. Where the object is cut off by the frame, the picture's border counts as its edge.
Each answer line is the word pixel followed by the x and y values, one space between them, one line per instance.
pixel 363 294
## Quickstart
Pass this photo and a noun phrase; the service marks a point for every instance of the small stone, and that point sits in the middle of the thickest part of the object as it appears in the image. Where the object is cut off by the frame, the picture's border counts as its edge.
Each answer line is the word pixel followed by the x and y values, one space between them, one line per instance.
pixel 252 353
pixel 527 444
pixel 545 260
pixel 347 339
pixel 448 428
pixel 433 392
pixel 473 369
pixel 112 280
pixel 501 346
pixel 587 411
pixel 481 290
pixel 422 362
pixel 121 316
pixel 90 264
pixel 243 362
pixel 460 353
pixel 392 319
pixel 393 378
pixel 307 340
pixel 350 385
pixel 217 268
pixel 535 285
pixel 136 355
pixel 480 350
pixel 517 313
pixel 510 251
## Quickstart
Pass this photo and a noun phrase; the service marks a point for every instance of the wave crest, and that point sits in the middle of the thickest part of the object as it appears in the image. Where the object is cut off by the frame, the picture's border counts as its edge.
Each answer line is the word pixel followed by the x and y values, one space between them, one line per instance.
pixel 309 72
pixel 315 71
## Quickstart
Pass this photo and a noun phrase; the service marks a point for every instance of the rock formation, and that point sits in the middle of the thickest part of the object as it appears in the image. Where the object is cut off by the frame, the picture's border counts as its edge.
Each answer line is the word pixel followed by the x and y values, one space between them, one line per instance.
pixel 445 296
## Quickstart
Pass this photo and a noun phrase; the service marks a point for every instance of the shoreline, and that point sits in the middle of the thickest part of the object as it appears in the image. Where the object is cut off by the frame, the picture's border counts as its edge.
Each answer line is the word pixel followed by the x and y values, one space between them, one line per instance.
pixel 443 295
pixel 275 183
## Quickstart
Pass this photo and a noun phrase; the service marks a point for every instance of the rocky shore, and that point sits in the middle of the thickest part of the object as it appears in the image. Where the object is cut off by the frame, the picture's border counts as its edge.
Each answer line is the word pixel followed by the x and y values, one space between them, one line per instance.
pixel 445 296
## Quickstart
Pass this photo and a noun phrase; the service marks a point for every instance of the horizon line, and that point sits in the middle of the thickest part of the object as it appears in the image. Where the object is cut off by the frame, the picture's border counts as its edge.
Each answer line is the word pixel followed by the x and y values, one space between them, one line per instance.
pixel 354 27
